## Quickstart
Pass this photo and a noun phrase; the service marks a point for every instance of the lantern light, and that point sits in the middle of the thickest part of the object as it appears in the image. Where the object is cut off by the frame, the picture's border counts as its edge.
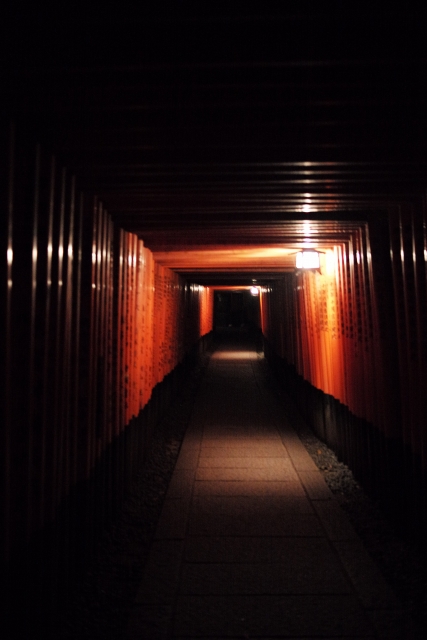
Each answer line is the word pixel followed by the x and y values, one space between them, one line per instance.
pixel 308 260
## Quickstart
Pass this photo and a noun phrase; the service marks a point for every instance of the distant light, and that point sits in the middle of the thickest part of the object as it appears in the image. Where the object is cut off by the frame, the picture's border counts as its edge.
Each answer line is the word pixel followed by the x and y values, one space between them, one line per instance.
pixel 255 291
pixel 307 260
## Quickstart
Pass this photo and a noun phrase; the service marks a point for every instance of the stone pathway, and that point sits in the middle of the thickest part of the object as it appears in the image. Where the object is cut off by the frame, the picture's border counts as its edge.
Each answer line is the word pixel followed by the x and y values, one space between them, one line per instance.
pixel 251 543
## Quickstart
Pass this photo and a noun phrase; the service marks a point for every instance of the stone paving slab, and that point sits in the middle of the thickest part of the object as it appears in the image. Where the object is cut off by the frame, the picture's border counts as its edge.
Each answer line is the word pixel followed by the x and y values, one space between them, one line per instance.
pixel 281 616
pixel 251 542
pixel 223 549
pixel 283 473
pixel 181 484
pixel 334 520
pixel 315 485
pixel 244 451
pixel 248 488
pixel 188 459
pixel 247 462
pixel 190 443
pixel 373 590
pixel 299 576
pixel 234 438
pixel 167 552
pixel 255 508
pixel 173 518
pixel 300 459
pixel 242 523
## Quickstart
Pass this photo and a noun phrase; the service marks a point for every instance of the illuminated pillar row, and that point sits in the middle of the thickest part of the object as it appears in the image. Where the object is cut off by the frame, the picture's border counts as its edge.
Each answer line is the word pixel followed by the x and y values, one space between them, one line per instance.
pixel 91 326
pixel 323 322
pixel 355 331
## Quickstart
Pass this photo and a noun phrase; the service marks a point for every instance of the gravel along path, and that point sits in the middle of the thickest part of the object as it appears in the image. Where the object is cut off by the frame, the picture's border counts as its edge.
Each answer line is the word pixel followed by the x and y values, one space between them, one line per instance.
pixel 103 598
pixel 404 567
pixel 102 601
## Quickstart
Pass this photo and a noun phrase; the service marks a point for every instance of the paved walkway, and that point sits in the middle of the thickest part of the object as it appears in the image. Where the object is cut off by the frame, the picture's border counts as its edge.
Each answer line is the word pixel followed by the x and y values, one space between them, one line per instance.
pixel 250 542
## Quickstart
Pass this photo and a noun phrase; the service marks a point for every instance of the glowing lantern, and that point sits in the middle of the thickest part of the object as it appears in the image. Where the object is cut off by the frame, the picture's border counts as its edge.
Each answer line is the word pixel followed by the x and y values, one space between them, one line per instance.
pixel 307 260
